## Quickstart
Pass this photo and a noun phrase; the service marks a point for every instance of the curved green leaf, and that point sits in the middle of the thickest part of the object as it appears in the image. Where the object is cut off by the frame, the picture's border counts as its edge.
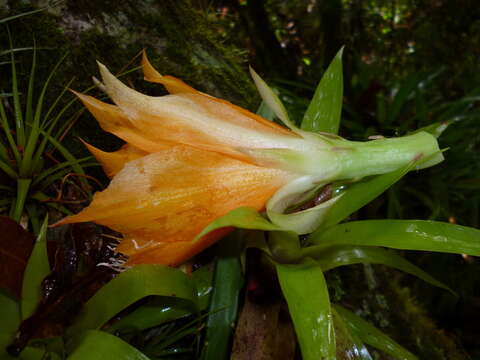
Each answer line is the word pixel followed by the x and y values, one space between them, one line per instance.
pixel 335 256
pixel 306 292
pixel 129 287
pixel 403 234
pixel 157 311
pixel 162 309
pixel 370 335
pixel 323 113
pixel 99 345
pixel 242 217
pixel 37 269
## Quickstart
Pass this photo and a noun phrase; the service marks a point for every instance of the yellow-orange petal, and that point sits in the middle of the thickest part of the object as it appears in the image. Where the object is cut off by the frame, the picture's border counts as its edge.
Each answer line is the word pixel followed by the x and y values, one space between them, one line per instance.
pixel 167 253
pixel 113 162
pixel 112 119
pixel 175 85
pixel 176 192
pixel 195 120
pixel 172 84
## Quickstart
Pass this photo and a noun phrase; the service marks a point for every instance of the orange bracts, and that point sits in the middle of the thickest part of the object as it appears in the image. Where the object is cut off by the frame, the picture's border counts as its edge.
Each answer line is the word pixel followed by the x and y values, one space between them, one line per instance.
pixel 184 165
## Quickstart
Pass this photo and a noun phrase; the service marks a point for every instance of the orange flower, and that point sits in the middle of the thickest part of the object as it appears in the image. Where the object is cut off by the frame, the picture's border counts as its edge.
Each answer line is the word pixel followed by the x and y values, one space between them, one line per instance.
pixel 191 158
pixel 182 167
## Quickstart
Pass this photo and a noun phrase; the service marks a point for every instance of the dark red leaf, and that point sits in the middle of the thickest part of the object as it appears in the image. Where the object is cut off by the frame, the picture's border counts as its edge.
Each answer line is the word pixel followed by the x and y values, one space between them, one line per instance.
pixel 16 245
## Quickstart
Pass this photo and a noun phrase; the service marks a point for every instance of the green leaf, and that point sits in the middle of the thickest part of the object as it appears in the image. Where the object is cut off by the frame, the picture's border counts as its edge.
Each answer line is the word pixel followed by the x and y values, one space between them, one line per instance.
pixel 323 113
pixel 284 247
pixel 349 345
pixel 403 234
pixel 335 256
pixel 224 303
pixel 306 292
pixel 19 123
pixel 67 155
pixel 37 269
pixel 27 164
pixel 272 100
pixel 129 287
pixel 99 345
pixel 370 335
pixel 242 217
pixel 265 111
pixel 162 309
pixel 10 315
pixel 157 311
pixel 360 194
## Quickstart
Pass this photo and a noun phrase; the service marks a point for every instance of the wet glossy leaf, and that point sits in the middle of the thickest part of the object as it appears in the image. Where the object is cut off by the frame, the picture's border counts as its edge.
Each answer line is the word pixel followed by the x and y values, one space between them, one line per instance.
pixel 335 256
pixel 349 345
pixel 306 292
pixel 15 247
pixel 133 285
pixel 223 310
pixel 403 234
pixel 99 345
pixel 372 336
pixel 323 113
pixel 242 217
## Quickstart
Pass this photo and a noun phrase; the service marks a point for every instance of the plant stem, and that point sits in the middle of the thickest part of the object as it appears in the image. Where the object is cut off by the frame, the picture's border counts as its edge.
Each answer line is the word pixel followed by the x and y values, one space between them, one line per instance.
pixel 23 185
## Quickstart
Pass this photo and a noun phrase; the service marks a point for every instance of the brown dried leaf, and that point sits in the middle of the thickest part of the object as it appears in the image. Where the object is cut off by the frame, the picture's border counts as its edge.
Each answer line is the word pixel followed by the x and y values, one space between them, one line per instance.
pixel 16 245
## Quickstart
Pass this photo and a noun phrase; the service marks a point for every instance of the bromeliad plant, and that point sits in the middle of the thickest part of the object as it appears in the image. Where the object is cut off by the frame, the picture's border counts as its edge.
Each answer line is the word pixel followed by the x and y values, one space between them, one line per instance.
pixel 194 166
pixel 30 134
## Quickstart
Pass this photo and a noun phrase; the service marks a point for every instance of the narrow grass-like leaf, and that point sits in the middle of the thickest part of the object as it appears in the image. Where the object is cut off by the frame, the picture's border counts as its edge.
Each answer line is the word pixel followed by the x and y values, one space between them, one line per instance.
pixel 42 197
pixel 46 175
pixel 242 217
pixel 360 194
pixel 67 155
pixel 324 112
pixel 26 165
pixel 19 124
pixel 370 335
pixel 46 118
pixel 342 255
pixel 23 189
pixel 8 132
pixel 134 284
pixel 36 270
pixel 223 310
pixel 8 169
pixel 403 234
pixel 99 345
pixel 31 83
pixel 13 17
pixel 306 292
